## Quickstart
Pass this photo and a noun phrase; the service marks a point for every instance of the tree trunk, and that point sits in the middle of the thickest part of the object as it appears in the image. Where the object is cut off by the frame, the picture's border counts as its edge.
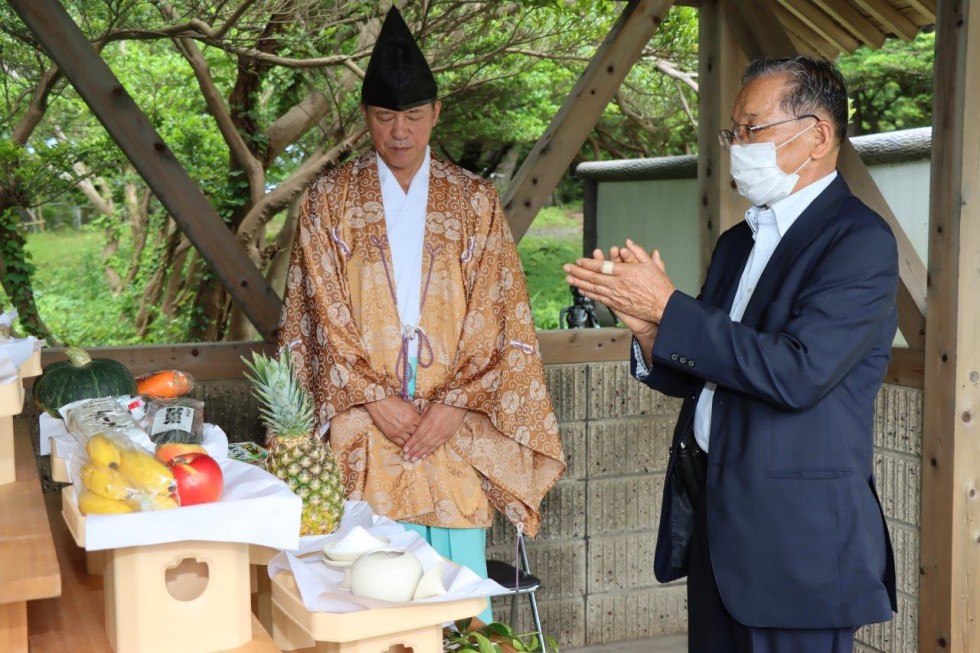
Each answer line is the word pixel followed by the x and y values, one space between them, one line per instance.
pixel 174 284
pixel 506 168
pixel 15 275
pixel 208 314
pixel 154 287
pixel 109 250
pixel 190 278
pixel 277 253
pixel 282 248
pixel 138 210
pixel 496 158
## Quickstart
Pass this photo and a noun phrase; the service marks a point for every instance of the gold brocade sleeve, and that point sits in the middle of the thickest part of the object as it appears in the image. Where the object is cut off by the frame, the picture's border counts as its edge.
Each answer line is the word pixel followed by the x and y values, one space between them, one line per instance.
pixel 498 373
pixel 317 315
pixel 497 352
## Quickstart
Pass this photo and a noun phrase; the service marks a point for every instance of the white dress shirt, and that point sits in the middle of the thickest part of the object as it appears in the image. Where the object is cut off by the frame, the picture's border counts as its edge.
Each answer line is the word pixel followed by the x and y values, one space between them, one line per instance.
pixel 762 221
pixel 405 223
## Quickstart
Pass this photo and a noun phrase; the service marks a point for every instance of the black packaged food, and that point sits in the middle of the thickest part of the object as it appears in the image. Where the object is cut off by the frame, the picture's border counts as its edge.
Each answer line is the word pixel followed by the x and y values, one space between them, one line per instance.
pixel 175 420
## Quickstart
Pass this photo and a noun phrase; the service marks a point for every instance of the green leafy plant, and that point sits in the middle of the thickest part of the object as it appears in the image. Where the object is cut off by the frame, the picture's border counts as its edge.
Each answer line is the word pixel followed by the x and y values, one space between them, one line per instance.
pixel 494 637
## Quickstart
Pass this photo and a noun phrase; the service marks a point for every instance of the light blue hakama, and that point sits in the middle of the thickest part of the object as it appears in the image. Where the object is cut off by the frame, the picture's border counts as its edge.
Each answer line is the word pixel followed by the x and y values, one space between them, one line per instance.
pixel 464 546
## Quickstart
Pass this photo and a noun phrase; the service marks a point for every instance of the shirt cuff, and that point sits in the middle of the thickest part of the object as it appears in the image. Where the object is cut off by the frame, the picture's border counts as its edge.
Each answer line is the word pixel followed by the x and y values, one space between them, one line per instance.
pixel 642 371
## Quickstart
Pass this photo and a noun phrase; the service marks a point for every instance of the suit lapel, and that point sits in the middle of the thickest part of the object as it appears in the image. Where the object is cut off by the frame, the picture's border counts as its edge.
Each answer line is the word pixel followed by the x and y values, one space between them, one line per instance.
pixel 808 226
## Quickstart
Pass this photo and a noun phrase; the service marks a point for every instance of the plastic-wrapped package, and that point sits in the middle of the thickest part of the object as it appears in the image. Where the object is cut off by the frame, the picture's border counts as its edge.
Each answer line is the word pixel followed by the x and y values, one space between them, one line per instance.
pixel 248 452
pixel 115 476
pixel 175 420
pixel 135 405
pixel 165 384
pixel 86 417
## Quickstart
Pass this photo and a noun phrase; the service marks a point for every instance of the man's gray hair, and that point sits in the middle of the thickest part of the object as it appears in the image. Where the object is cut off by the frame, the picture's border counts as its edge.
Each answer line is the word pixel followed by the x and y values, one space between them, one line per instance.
pixel 814 83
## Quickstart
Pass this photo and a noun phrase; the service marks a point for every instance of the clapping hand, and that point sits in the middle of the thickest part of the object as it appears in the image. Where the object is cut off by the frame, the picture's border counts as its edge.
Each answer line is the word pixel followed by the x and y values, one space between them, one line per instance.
pixel 631 282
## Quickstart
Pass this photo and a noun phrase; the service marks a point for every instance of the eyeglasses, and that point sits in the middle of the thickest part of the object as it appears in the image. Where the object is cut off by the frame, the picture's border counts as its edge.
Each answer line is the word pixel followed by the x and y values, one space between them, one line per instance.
pixel 742 133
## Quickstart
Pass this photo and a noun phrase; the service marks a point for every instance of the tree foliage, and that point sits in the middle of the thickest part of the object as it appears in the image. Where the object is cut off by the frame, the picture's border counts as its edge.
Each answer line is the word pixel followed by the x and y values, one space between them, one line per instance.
pixel 257 97
pixel 891 88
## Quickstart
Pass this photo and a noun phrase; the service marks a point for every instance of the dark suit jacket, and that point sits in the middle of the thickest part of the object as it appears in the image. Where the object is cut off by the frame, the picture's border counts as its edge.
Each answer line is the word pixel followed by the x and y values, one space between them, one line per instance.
pixel 795 528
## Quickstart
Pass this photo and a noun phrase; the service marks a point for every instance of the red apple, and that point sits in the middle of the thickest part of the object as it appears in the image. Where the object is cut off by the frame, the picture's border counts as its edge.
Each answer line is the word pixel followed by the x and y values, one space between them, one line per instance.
pixel 198 476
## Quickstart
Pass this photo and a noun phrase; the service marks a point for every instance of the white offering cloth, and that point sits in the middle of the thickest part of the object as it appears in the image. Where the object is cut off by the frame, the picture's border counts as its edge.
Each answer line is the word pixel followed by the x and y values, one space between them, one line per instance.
pixel 318 582
pixel 13 354
pixel 255 508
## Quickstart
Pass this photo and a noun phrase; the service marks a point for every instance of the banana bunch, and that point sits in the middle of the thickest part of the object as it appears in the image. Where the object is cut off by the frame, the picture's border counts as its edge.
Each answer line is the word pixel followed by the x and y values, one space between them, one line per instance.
pixel 120 480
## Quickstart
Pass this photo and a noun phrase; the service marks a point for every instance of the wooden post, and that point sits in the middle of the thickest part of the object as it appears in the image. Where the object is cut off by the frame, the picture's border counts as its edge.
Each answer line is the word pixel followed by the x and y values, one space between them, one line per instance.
pixel 554 151
pixel 720 65
pixel 137 138
pixel 590 216
pixel 949 596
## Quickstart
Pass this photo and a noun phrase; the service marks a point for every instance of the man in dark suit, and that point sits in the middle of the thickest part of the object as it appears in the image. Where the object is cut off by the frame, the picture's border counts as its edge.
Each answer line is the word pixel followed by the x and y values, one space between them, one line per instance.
pixel 769 501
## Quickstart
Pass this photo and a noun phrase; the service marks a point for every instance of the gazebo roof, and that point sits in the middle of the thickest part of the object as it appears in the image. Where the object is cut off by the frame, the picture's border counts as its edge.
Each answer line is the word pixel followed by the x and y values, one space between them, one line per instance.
pixel 829 27
pixel 875 149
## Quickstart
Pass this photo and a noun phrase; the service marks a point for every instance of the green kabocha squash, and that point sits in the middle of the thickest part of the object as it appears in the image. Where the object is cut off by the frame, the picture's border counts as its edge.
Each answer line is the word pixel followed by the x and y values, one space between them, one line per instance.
pixel 81 377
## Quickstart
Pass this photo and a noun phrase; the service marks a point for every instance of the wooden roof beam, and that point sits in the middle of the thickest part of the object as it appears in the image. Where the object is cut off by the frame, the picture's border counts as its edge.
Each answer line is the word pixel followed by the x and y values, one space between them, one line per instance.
pixel 554 151
pixel 820 23
pixel 892 18
pixel 802 46
pixel 845 14
pixel 757 29
pixel 156 164
pixel 761 35
pixel 803 32
pixel 926 9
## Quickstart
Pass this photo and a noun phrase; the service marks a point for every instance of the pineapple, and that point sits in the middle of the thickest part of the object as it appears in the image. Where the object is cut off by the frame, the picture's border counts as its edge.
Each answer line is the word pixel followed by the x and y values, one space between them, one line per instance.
pixel 296 455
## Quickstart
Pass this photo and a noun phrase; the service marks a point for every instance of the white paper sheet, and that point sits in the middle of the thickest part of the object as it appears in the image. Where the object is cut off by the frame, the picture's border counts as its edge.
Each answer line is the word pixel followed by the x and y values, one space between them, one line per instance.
pixel 13 354
pixel 256 508
pixel 51 427
pixel 318 582
pixel 8 371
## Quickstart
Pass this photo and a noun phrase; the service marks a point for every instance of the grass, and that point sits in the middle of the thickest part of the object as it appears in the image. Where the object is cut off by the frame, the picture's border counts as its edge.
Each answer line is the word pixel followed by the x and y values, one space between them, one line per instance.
pixel 554 238
pixel 71 290
pixel 73 295
pixel 75 302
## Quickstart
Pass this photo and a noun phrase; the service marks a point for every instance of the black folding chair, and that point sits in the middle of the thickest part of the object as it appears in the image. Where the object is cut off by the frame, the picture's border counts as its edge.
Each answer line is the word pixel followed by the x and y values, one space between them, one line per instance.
pixel 519 581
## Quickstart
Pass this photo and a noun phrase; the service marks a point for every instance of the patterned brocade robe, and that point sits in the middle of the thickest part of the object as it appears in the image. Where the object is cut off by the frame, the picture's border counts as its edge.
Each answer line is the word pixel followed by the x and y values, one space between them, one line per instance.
pixel 477 349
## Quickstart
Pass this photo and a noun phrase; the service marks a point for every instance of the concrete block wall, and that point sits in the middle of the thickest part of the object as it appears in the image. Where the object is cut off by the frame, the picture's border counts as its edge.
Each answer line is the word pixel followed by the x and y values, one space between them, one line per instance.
pixel 898 465
pixel 595 550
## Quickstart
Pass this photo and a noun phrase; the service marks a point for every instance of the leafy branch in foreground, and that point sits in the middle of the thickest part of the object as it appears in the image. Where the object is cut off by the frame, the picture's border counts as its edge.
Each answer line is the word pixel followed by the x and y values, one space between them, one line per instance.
pixel 491 638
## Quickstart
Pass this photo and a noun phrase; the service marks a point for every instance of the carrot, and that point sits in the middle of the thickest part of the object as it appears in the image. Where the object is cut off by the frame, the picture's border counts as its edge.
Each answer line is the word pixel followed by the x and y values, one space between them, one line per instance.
pixel 165 384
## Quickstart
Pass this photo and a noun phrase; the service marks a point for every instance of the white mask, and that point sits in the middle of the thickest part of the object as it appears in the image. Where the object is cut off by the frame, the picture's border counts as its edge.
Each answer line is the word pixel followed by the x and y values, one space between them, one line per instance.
pixel 757 174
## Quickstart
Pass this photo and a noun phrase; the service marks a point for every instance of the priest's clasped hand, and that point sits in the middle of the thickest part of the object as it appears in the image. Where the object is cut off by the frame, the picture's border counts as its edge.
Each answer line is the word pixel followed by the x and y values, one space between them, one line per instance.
pixel 438 424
